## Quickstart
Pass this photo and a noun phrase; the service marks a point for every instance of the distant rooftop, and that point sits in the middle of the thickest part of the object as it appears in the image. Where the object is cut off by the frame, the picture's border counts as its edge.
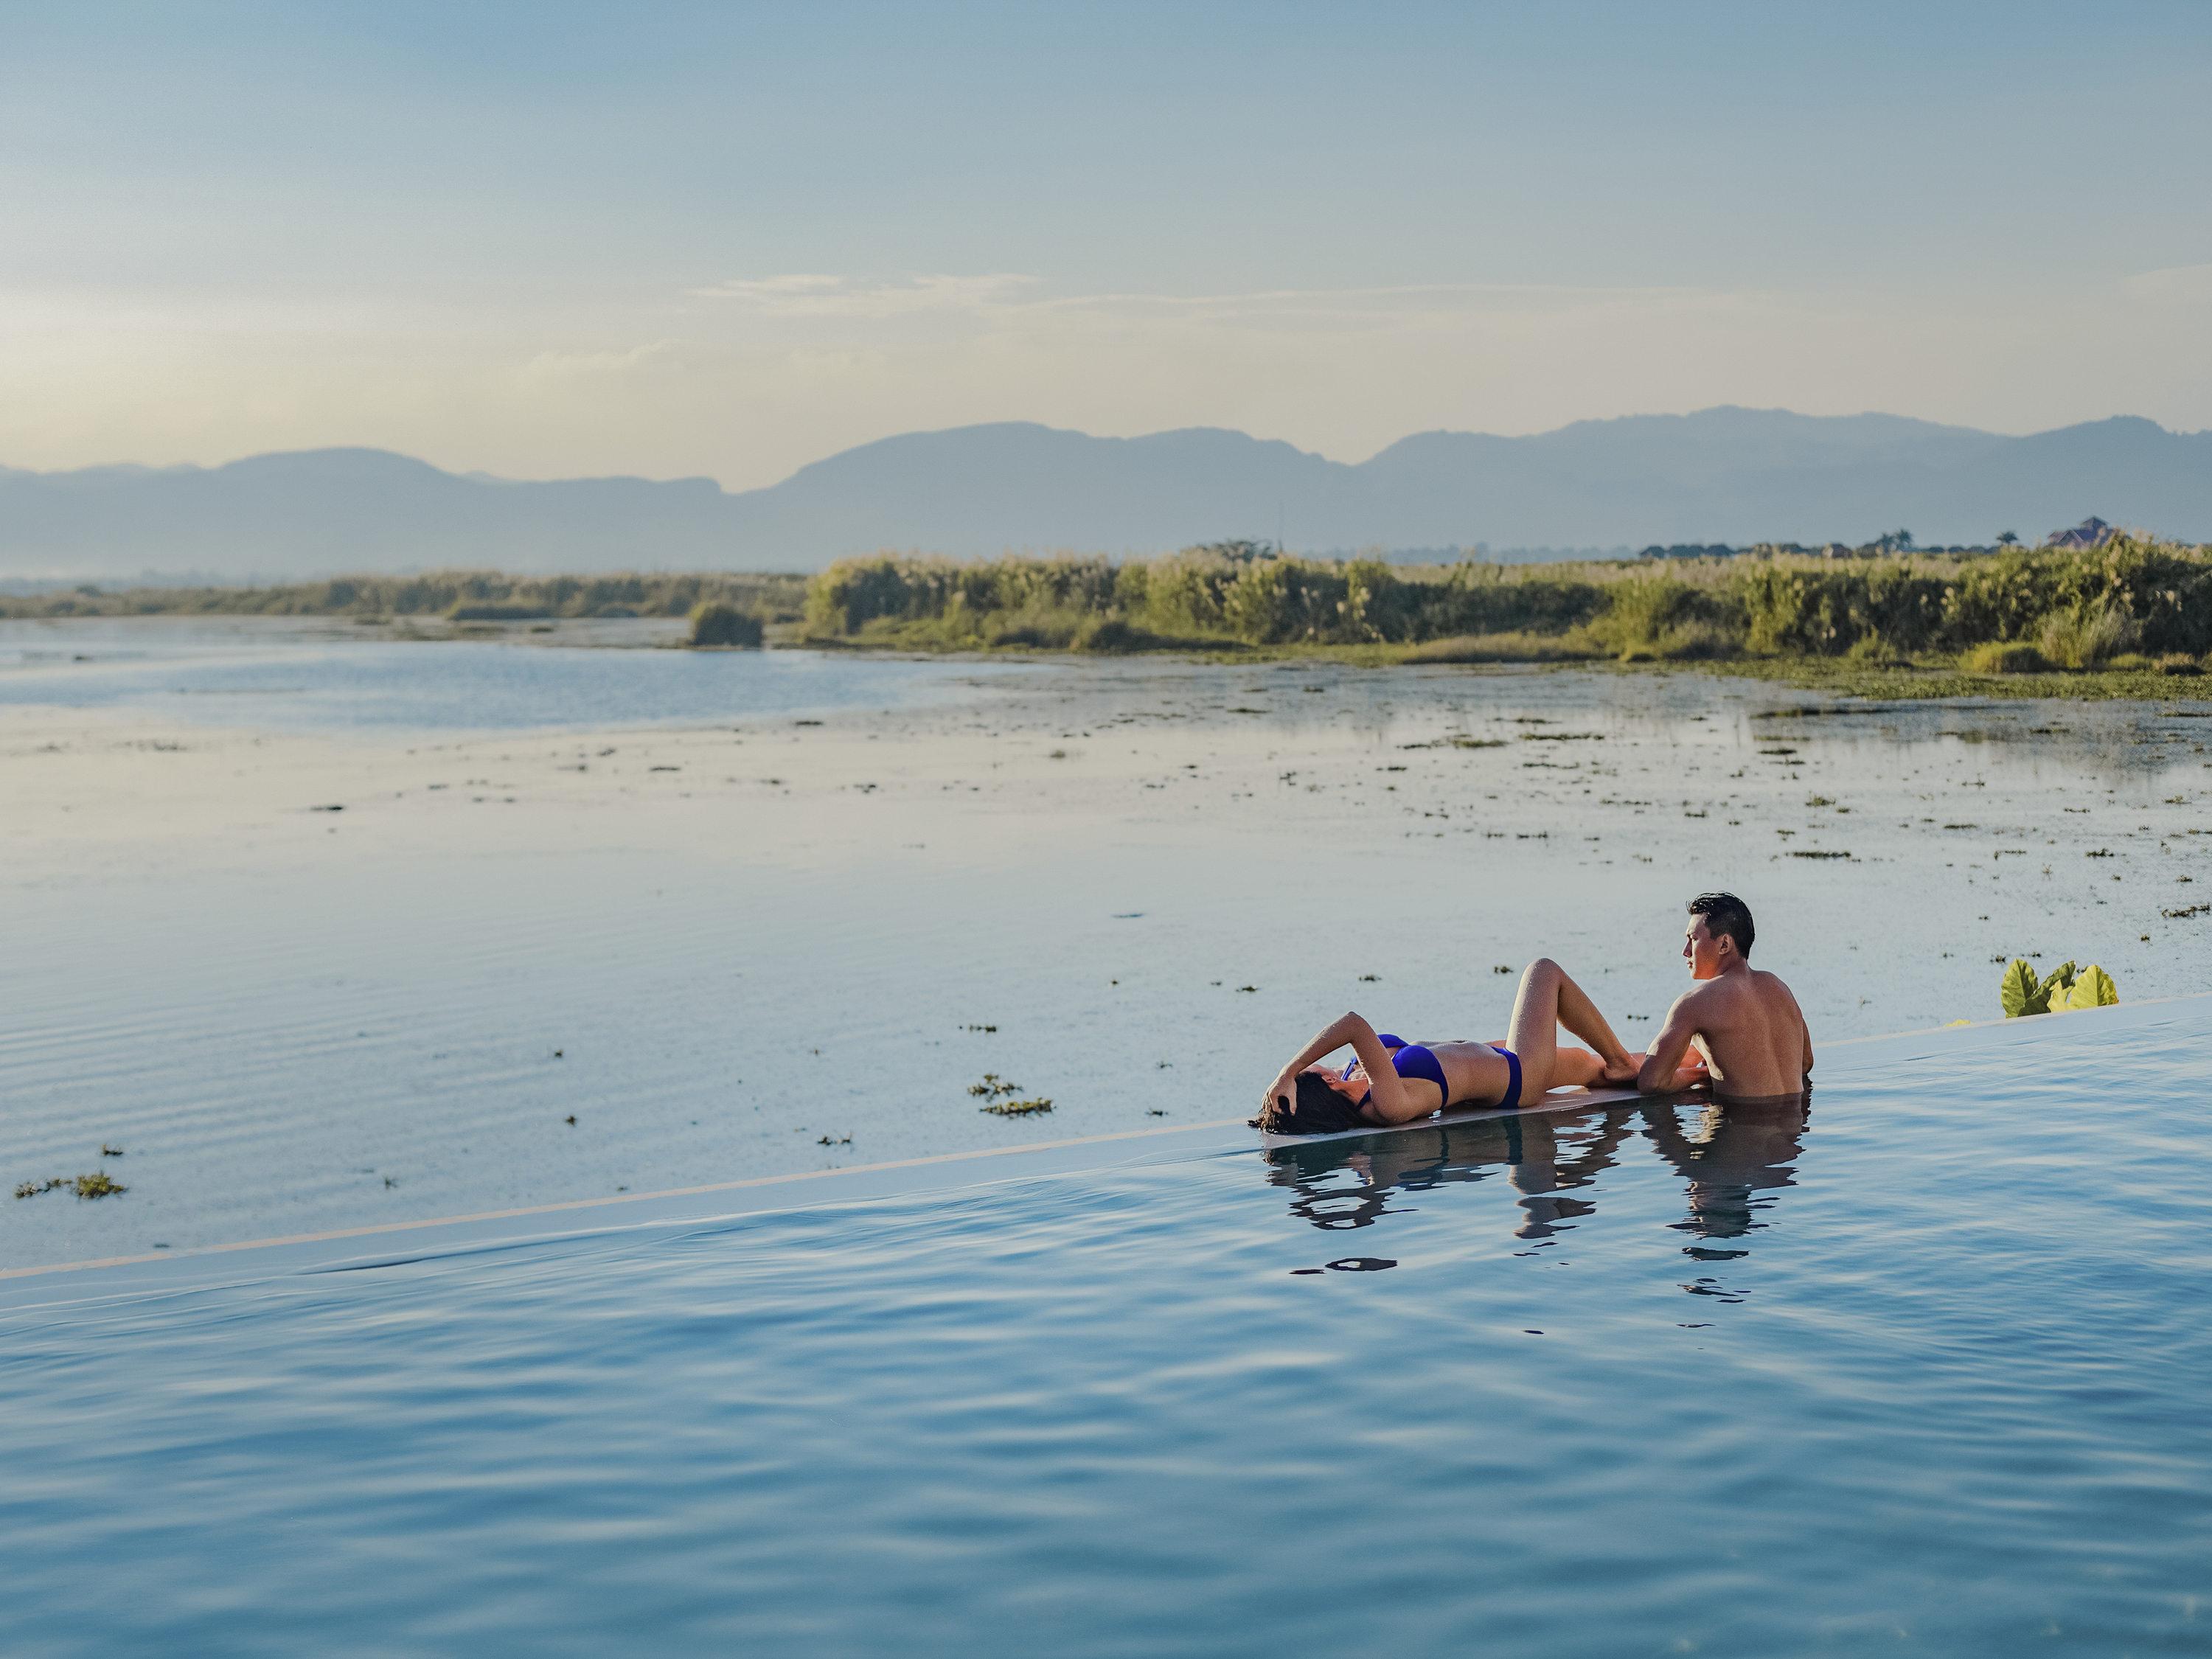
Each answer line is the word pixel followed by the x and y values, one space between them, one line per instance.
pixel 2090 533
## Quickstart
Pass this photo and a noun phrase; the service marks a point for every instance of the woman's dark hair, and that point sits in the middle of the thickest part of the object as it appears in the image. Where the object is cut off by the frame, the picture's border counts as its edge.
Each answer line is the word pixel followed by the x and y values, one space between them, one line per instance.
pixel 1318 1110
pixel 1725 915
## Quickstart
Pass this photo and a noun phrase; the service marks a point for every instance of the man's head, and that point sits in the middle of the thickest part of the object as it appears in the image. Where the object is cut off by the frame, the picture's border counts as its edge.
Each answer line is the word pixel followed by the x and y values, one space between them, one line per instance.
pixel 1719 934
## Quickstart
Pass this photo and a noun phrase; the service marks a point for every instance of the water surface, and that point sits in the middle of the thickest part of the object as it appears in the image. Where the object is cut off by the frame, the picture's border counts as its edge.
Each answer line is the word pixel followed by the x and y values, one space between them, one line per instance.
pixel 1917 1371
pixel 319 675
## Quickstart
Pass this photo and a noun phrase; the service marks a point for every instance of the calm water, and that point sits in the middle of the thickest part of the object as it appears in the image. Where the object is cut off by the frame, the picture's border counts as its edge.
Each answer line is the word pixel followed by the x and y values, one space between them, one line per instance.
pixel 533 965
pixel 317 676
pixel 1921 1371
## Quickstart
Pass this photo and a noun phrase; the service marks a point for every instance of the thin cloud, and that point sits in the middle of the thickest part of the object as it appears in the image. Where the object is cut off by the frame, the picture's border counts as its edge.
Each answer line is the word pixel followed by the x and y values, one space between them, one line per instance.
pixel 2171 282
pixel 1006 298
pixel 803 294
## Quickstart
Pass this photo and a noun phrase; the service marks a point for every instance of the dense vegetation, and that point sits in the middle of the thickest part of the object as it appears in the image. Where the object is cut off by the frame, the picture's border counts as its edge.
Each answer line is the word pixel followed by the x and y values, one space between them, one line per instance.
pixel 2128 602
pixel 460 596
pixel 714 623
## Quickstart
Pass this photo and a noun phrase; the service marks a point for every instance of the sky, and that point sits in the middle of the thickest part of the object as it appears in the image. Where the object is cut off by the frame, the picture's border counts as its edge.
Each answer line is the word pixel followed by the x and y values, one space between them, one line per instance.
pixel 551 240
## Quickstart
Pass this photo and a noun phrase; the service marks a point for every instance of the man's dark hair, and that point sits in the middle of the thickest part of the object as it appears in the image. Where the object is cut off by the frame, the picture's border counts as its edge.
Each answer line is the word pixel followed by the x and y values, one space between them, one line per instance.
pixel 1726 914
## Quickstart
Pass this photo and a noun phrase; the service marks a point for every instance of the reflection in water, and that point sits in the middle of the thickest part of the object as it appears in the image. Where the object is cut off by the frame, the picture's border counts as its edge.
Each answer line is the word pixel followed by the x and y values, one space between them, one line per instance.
pixel 1742 1155
pixel 1344 1184
pixel 1734 1159
pixel 1740 1150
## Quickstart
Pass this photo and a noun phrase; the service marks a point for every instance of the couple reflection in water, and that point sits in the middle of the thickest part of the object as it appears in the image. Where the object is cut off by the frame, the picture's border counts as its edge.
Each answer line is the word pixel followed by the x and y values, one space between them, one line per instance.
pixel 1737 1035
pixel 1732 1157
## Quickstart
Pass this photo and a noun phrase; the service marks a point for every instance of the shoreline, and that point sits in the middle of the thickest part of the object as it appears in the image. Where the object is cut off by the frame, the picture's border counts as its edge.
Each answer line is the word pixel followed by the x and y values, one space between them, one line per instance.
pixel 1930 680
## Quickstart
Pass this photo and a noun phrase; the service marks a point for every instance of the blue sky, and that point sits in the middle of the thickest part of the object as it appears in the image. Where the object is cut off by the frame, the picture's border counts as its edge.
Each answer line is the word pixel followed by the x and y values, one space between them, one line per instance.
pixel 546 239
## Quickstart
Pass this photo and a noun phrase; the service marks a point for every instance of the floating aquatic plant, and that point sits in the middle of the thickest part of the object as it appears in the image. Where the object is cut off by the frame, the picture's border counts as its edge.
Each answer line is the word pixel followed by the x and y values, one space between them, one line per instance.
pixel 95 1185
pixel 2021 992
pixel 994 1091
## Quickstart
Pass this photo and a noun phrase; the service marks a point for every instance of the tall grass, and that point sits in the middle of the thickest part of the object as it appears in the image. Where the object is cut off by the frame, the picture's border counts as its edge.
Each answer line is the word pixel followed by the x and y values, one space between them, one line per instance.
pixel 2130 600
pixel 458 595
pixel 2076 608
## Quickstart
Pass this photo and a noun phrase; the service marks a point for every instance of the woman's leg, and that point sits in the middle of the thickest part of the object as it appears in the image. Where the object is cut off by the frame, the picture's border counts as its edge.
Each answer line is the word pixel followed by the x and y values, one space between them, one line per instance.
pixel 1573 1067
pixel 1549 1000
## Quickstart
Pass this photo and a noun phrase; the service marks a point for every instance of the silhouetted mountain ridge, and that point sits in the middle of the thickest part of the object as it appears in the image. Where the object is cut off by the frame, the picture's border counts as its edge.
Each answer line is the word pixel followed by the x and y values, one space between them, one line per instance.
pixel 1728 474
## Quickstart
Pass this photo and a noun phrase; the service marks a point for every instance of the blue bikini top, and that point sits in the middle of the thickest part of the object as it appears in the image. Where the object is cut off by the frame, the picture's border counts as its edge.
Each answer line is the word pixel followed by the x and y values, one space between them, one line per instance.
pixel 1409 1059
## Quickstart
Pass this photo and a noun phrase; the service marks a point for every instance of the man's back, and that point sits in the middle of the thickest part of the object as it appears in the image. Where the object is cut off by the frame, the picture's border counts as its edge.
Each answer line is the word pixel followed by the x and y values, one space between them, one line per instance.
pixel 1748 1027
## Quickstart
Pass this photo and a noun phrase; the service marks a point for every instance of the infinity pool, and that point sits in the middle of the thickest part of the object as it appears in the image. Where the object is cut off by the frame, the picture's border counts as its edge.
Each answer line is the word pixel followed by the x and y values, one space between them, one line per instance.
pixel 1921 1370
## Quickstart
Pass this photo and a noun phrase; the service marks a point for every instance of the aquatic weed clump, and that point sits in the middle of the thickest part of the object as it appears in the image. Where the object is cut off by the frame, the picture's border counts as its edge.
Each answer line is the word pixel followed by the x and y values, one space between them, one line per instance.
pixel 995 1091
pixel 98 1184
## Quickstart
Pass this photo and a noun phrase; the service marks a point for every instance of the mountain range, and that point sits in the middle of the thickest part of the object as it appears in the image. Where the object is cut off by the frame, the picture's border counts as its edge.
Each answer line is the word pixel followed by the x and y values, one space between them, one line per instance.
pixel 1721 475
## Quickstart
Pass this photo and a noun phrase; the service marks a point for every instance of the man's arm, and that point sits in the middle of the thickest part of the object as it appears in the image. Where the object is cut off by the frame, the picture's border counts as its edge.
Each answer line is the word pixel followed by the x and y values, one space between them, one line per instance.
pixel 1803 1027
pixel 1662 1072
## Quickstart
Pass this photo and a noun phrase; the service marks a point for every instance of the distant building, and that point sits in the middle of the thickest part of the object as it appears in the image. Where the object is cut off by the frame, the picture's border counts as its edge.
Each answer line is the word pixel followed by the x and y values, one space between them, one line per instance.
pixel 2090 533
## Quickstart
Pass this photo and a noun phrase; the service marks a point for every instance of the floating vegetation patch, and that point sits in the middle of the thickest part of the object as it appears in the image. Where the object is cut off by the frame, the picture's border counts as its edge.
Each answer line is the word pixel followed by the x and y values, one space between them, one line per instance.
pixel 1814 852
pixel 98 1184
pixel 2186 910
pixel 997 1094
pixel 1018 1108
pixel 1563 737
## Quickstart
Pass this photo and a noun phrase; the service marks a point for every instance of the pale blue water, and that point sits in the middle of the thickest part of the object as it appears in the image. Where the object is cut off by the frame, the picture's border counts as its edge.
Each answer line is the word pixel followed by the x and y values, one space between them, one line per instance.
pixel 317 676
pixel 1921 1371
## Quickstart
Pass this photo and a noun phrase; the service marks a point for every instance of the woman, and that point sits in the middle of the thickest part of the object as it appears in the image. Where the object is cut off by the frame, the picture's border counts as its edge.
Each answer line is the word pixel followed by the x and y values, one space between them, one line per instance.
pixel 1392 1081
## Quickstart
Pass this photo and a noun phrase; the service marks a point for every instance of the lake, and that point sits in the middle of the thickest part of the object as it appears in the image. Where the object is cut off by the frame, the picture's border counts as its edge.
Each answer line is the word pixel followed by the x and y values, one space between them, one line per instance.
pixel 1918 1369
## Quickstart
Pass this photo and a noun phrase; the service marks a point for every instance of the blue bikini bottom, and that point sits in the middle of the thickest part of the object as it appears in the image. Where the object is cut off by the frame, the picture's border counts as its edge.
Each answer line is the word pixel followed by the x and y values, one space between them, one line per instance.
pixel 1418 1060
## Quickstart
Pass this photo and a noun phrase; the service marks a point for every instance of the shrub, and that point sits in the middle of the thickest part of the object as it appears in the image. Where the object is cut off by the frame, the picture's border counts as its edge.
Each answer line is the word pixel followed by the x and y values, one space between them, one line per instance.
pixel 2000 657
pixel 2090 636
pixel 2022 993
pixel 495 610
pixel 714 623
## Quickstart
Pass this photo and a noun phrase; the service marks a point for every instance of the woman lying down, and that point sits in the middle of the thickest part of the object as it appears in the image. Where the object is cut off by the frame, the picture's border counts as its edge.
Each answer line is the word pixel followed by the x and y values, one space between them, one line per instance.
pixel 1393 1081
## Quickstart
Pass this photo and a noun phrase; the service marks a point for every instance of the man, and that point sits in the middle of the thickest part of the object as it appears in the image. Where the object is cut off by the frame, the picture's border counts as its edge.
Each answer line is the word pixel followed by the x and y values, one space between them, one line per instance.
pixel 1744 1023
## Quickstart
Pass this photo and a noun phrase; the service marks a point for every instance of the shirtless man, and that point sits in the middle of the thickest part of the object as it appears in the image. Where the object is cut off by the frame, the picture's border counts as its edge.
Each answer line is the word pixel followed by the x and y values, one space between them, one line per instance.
pixel 1744 1022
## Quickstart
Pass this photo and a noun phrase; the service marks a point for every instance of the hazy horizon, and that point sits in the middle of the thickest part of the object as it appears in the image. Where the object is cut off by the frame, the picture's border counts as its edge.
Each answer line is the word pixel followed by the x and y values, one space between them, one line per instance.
pixel 130 463
pixel 550 242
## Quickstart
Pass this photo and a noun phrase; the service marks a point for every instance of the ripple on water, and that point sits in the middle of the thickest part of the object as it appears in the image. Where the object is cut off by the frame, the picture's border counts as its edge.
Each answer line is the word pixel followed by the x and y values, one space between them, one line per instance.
pixel 1945 1394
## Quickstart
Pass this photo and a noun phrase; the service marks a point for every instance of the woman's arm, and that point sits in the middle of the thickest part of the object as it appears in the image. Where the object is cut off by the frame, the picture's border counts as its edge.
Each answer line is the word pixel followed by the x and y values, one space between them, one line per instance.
pixel 1389 1102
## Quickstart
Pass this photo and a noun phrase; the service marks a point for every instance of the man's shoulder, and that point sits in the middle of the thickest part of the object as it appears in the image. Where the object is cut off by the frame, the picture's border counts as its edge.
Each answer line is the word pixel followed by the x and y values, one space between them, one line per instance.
pixel 1704 994
pixel 1770 983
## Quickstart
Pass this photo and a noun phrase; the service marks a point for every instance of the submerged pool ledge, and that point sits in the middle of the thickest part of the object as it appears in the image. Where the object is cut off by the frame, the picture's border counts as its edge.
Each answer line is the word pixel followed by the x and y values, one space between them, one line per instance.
pixel 392 1243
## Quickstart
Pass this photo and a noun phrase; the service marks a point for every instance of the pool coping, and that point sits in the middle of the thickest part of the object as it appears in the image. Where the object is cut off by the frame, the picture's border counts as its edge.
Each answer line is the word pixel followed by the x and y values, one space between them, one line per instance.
pixel 99 1279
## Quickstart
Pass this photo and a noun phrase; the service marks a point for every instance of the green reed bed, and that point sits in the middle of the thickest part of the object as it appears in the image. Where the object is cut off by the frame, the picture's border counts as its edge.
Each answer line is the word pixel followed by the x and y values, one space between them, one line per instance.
pixel 462 596
pixel 2131 607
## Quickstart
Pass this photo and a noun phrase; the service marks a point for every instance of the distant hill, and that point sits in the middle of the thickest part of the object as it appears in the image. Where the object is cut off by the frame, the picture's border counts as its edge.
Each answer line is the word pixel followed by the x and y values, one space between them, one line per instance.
pixel 1721 475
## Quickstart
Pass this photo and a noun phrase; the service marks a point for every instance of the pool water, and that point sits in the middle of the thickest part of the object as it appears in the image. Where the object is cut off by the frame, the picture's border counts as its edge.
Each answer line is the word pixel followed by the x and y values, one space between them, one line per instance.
pixel 1919 1369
